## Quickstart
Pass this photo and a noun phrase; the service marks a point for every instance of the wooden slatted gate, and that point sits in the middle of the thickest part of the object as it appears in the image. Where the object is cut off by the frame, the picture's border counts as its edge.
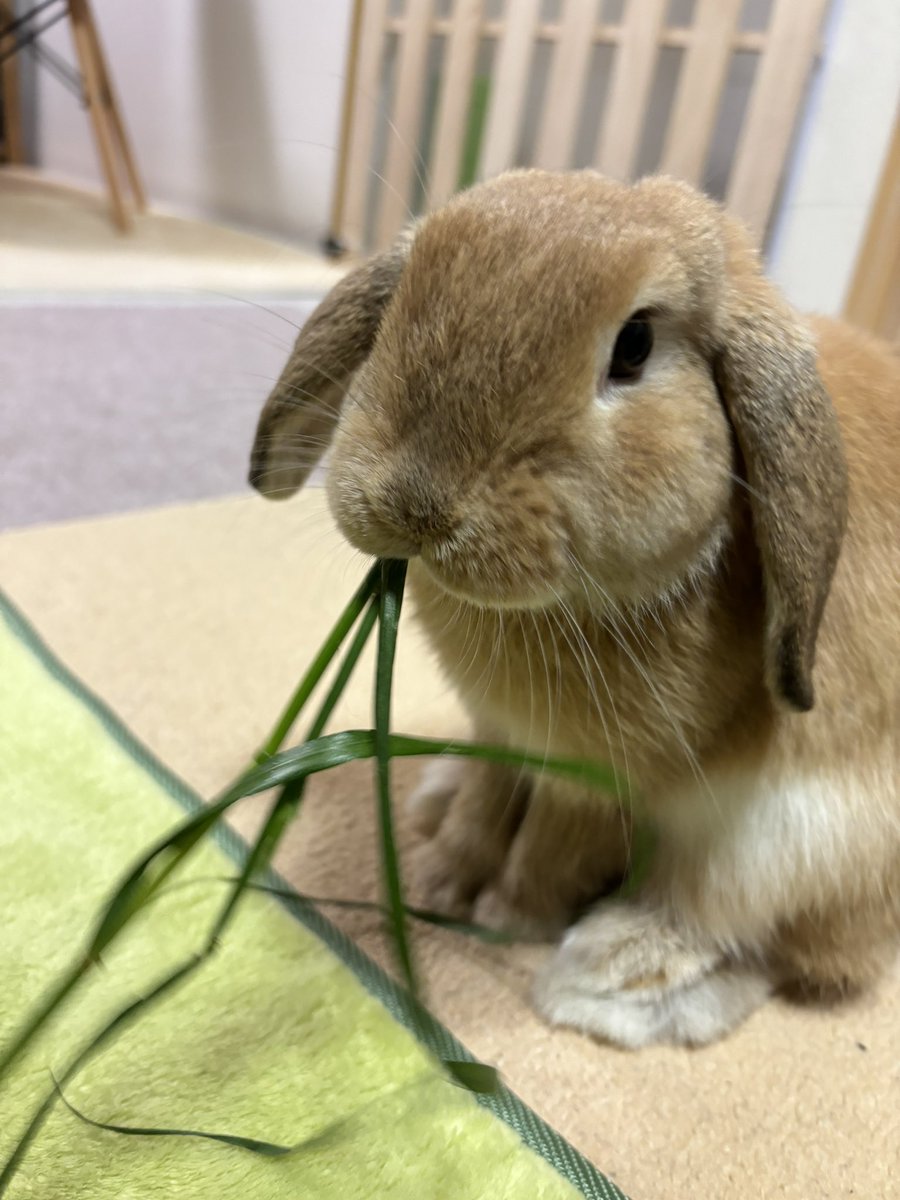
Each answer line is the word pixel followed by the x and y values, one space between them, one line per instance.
pixel 433 83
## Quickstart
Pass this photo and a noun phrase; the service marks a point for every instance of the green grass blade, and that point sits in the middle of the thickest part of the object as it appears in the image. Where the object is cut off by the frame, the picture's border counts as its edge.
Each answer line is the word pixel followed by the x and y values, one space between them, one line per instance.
pixel 141 883
pixel 283 811
pixel 254 1145
pixel 393 575
pixel 322 753
pixel 585 771
pixel 332 643
pixel 285 807
pixel 317 755
pixel 337 748
pixel 157 864
pixel 42 1013
pixel 345 670
pixel 426 915
pixel 474 1076
pixel 122 1019
pixel 151 871
pixel 146 877
pixel 477 1077
pixel 326 1136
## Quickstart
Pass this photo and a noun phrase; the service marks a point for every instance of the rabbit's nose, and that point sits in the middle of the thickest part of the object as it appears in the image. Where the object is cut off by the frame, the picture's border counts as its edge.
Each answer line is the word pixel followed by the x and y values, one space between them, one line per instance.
pixel 415 506
pixel 390 522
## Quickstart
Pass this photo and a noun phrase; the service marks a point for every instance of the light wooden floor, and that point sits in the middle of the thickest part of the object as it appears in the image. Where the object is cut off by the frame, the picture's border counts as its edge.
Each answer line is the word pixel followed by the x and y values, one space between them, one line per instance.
pixel 57 238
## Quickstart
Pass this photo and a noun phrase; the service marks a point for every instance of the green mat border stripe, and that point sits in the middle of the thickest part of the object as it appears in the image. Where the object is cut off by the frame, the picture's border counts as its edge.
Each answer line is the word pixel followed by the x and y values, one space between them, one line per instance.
pixel 533 1131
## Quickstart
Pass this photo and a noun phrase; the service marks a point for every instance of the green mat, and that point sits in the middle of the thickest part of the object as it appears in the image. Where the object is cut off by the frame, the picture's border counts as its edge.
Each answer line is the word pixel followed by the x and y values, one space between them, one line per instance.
pixel 290 1034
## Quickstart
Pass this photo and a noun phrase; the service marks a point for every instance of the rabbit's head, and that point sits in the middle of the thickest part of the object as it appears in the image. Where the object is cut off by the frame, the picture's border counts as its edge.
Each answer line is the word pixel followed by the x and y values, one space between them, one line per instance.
pixel 552 387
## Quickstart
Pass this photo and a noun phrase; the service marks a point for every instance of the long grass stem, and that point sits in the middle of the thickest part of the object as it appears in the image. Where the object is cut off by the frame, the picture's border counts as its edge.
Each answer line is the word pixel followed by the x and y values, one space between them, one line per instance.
pixel 390 598
pixel 286 805
pixel 330 646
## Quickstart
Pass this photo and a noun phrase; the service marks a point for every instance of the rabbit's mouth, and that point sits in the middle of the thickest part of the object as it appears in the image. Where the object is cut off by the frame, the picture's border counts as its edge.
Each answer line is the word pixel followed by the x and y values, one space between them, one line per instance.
pixel 489 593
pixel 480 570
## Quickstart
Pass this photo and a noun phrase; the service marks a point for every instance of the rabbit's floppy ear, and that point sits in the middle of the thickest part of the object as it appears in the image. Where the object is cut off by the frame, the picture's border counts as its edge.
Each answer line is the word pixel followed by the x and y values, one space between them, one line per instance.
pixel 790 442
pixel 302 410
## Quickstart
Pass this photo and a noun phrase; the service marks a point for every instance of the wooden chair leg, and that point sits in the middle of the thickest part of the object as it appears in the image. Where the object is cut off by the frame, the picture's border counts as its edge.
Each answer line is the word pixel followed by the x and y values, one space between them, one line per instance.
pixel 113 110
pixel 13 147
pixel 94 95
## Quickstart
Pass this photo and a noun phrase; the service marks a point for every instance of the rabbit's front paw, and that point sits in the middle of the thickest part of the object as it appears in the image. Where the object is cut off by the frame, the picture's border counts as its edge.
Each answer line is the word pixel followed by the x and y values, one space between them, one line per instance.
pixel 518 855
pixel 468 812
pixel 437 787
pixel 626 976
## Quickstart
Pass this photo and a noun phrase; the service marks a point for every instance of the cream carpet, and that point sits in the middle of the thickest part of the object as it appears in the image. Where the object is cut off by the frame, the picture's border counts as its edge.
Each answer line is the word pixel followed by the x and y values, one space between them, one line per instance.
pixel 195 622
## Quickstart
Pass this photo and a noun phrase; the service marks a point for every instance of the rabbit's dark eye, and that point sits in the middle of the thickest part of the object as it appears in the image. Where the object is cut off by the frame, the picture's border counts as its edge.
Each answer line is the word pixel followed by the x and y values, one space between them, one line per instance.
pixel 632 348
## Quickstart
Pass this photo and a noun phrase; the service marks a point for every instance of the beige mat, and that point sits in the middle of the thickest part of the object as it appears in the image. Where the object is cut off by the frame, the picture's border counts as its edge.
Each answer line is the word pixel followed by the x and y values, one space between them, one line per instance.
pixel 194 624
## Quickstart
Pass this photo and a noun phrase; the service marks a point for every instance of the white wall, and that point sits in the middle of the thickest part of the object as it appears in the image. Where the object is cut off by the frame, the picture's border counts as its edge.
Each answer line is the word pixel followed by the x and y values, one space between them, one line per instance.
pixel 839 155
pixel 233 106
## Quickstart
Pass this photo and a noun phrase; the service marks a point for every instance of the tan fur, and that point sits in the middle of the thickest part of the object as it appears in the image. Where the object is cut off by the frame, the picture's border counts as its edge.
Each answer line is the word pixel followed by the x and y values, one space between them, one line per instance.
pixel 659 577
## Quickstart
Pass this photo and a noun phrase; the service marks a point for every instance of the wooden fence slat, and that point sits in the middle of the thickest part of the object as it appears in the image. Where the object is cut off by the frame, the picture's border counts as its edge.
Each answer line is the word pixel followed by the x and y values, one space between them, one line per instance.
pixel 772 111
pixel 402 159
pixel 453 102
pixel 348 98
pixel 350 227
pixel 700 85
pixel 565 87
pixel 509 86
pixel 629 90
pixel 874 297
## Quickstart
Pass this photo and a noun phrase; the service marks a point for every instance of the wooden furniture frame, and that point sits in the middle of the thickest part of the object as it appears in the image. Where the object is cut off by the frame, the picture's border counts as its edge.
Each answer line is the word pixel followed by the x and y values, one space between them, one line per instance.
pixel 11 148
pixel 94 84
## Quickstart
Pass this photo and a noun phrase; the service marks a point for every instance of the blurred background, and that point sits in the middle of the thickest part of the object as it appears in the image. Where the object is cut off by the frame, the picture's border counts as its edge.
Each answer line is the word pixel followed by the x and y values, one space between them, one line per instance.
pixel 180 180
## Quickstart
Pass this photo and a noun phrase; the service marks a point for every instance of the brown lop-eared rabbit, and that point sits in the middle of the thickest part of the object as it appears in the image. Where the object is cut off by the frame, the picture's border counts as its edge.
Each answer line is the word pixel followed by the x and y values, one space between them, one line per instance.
pixel 652 517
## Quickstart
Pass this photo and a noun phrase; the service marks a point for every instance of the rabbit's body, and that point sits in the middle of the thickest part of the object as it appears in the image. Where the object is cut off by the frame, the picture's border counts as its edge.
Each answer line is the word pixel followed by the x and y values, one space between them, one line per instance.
pixel 673 695
pixel 642 578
